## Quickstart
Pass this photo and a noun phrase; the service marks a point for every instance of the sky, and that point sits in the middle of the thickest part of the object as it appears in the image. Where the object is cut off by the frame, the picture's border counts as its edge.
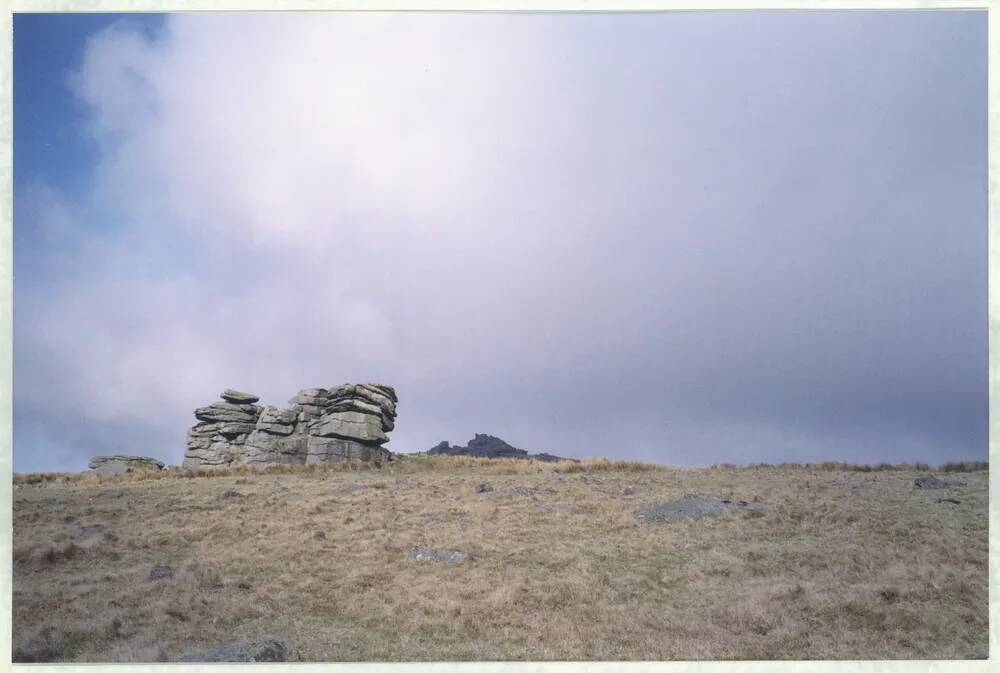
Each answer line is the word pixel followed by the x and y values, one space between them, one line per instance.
pixel 687 238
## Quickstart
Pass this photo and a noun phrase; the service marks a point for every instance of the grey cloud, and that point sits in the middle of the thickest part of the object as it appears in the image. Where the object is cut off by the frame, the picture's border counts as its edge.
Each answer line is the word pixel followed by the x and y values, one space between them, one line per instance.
pixel 688 238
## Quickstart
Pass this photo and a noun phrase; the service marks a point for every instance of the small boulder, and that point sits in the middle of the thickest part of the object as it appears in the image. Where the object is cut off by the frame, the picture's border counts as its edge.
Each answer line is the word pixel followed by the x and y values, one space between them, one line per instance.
pixel 159 572
pixel 483 488
pixel 930 481
pixel 265 649
pixel 85 532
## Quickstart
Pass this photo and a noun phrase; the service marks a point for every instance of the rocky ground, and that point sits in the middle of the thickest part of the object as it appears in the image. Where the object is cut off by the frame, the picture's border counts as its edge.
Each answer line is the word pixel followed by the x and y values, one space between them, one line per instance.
pixel 444 558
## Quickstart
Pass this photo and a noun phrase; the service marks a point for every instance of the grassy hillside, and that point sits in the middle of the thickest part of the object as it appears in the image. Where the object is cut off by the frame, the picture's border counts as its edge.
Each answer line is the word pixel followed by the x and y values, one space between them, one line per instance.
pixel 842 564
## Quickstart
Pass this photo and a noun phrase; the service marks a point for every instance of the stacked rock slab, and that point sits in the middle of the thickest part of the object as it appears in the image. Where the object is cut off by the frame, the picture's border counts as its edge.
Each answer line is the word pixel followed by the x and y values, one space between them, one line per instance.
pixel 321 425
pixel 120 464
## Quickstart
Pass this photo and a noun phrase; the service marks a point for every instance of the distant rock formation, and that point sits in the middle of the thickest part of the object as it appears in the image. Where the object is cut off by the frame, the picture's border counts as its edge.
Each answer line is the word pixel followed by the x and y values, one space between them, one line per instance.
pixel 488 446
pixel 120 464
pixel 322 425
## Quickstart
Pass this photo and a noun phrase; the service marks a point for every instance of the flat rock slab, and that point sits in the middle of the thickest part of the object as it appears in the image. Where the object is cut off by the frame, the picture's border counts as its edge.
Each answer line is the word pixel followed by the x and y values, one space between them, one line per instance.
pixel 266 649
pixel 421 553
pixel 161 572
pixel 121 463
pixel 517 491
pixel 238 396
pixel 930 481
pixel 692 507
pixel 134 462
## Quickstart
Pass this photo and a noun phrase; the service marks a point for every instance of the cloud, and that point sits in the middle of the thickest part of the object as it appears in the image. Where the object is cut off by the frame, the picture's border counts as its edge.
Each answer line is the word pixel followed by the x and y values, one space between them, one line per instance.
pixel 682 238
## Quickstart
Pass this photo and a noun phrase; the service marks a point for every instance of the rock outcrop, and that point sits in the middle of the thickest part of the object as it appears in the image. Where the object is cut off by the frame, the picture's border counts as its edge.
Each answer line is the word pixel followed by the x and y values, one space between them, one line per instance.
pixel 488 446
pixel 120 464
pixel 321 425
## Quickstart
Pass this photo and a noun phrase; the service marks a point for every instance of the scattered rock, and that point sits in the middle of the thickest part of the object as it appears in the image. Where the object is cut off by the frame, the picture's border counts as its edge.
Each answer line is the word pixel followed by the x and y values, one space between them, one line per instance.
pixel 421 553
pixel 441 517
pixel 266 649
pixel 231 495
pixel 483 488
pixel 692 507
pixel 160 572
pixel 930 481
pixel 121 463
pixel 516 491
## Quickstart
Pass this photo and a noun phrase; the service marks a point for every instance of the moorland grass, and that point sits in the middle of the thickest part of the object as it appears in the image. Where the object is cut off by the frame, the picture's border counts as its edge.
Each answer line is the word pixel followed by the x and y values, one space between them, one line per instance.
pixel 844 563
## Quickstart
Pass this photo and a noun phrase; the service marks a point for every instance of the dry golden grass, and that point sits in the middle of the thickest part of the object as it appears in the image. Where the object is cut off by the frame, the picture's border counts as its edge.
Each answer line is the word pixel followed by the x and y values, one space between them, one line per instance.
pixel 843 564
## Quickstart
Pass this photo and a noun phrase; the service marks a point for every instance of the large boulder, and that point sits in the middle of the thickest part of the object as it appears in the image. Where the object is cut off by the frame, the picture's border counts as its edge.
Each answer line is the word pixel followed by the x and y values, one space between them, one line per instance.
pixel 263 448
pixel 333 449
pixel 277 421
pixel 351 425
pixel 121 463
